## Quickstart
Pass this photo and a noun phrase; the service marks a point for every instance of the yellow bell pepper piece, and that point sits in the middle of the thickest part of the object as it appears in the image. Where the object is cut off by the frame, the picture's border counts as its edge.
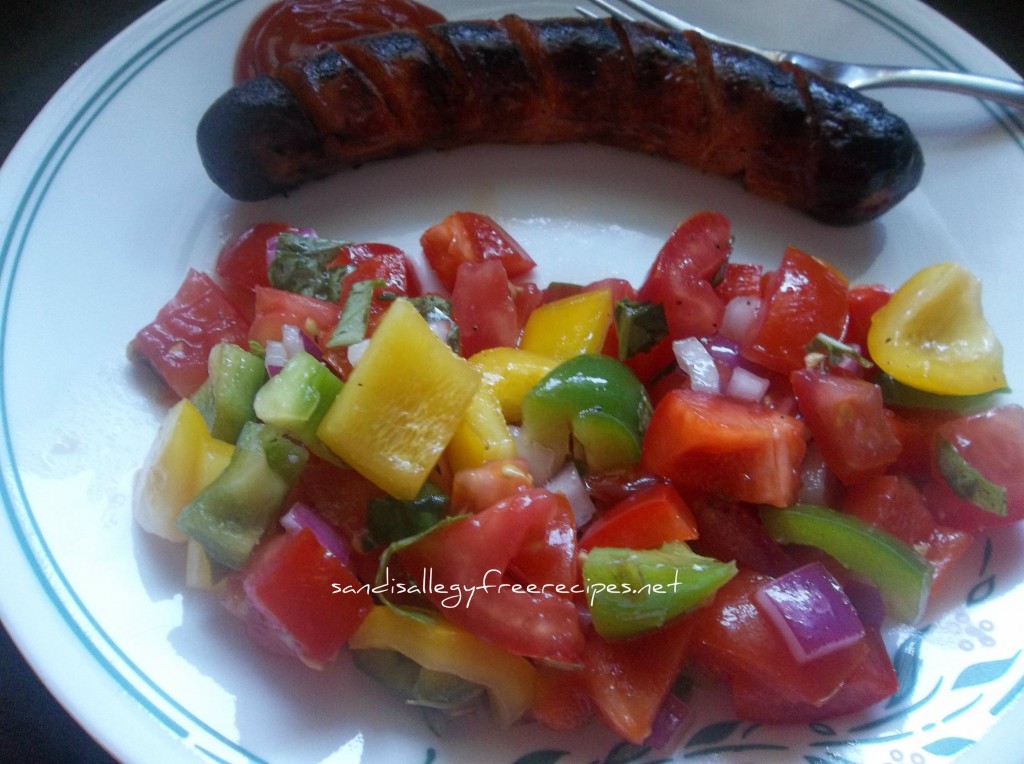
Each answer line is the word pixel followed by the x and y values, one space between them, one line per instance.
pixel 509 373
pixel 182 461
pixel 441 646
pixel 570 326
pixel 401 405
pixel 932 334
pixel 482 435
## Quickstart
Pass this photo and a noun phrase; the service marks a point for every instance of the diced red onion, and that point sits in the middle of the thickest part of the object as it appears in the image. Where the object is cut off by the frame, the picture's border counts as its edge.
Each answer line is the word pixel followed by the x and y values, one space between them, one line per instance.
pixel 696 361
pixel 441 327
pixel 356 350
pixel 302 515
pixel 668 722
pixel 568 482
pixel 275 357
pixel 818 484
pixel 724 350
pixel 740 317
pixel 811 612
pixel 543 462
pixel 746 385
pixel 311 347
pixel 867 600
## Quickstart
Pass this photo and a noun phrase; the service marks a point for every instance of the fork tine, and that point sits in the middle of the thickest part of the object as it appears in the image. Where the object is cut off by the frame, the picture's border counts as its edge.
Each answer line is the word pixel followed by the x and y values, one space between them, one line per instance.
pixel 659 16
pixel 608 8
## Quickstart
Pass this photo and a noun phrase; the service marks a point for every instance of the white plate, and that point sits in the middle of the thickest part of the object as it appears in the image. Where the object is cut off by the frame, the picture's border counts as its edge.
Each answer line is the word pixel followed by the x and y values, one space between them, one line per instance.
pixel 104 206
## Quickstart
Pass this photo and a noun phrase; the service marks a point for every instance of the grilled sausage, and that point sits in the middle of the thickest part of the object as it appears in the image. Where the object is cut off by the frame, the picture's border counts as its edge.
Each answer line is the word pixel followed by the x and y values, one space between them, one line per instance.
pixel 819 147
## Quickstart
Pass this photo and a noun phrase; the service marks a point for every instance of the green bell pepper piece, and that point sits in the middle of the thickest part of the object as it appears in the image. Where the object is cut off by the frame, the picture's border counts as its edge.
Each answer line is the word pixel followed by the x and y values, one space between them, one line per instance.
pixel 296 399
pixel 902 575
pixel 231 514
pixel 632 591
pixel 597 401
pixel 225 399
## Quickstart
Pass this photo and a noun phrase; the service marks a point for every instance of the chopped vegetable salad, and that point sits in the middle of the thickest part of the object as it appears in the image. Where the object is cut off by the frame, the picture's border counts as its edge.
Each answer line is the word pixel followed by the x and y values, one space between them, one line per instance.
pixel 563 502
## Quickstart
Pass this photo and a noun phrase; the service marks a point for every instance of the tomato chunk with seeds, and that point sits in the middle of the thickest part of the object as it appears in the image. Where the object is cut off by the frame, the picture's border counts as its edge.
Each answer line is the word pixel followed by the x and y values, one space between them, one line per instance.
pixel 178 341
pixel 469 237
pixel 848 421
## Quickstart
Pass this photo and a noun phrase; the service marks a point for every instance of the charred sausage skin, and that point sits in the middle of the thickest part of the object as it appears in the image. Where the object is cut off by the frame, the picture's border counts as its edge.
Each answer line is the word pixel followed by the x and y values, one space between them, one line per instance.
pixel 816 146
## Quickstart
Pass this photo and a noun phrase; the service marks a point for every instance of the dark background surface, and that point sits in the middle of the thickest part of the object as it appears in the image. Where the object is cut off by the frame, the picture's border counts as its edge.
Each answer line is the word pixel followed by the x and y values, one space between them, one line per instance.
pixel 42 43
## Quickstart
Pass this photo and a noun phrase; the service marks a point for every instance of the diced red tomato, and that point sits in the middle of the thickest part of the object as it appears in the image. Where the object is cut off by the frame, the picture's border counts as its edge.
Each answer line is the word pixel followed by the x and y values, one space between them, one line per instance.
pixel 894 504
pixel 484 308
pixel 740 280
pixel 371 260
pixel 628 680
pixel 732 635
pixel 527 539
pixel 713 444
pixel 291 582
pixel 469 237
pixel 730 530
pixel 873 680
pixel 178 341
pixel 993 444
pixel 645 520
pixel 277 307
pixel 699 247
pixel 865 299
pixel 680 278
pixel 802 298
pixel 527 296
pixel 242 264
pixel 561 700
pixel 478 488
pixel 848 422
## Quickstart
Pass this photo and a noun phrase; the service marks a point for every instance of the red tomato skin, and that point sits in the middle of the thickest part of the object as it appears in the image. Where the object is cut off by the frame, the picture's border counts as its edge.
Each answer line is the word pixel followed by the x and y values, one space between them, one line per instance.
pixel 732 635
pixel 277 307
pixel 242 264
pixel 698 247
pixel 178 341
pixel 803 297
pixel 993 443
pixel 730 530
pixel 293 581
pixel 469 237
pixel 628 680
pixel 478 488
pixel 645 520
pixel 484 308
pixel 740 280
pixel 561 698
pixel 873 680
pixel 287 30
pixel 894 504
pixel 527 539
pixel 713 444
pixel 864 300
pixel 847 419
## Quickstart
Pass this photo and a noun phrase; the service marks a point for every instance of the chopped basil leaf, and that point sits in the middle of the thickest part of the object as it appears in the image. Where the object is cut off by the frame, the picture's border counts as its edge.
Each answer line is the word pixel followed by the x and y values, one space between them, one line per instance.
pixel 389 519
pixel 301 265
pixel 640 325
pixel 966 482
pixel 437 309
pixel 355 315
pixel 895 393
pixel 831 352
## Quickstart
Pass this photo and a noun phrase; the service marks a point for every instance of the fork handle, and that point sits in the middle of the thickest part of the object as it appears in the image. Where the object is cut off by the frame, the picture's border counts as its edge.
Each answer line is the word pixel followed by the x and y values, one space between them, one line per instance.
pixel 1009 92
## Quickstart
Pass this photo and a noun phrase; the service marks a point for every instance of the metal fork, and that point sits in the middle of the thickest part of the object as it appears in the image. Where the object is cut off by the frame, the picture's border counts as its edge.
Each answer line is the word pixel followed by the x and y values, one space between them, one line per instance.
pixel 857 76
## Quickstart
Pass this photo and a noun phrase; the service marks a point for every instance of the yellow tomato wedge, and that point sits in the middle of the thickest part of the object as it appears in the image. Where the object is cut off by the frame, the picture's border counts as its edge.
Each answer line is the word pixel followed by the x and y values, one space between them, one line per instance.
pixel 932 335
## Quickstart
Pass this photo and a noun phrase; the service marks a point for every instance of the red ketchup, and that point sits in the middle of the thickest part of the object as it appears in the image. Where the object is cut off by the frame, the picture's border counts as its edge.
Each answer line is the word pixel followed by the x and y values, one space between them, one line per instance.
pixel 286 31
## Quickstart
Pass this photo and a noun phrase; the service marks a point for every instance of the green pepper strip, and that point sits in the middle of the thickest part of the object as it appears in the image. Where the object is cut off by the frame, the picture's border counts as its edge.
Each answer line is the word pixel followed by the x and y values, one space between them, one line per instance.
pixel 903 576
pixel 634 591
pixel 597 400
